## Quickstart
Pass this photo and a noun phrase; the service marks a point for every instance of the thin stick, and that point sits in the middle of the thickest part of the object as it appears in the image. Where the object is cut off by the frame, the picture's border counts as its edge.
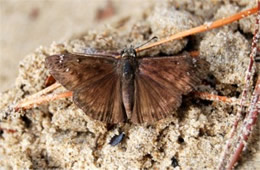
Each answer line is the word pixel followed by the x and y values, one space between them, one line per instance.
pixel 37 95
pixel 248 79
pixel 213 97
pixel 44 99
pixel 46 90
pixel 249 73
pixel 202 28
pixel 248 124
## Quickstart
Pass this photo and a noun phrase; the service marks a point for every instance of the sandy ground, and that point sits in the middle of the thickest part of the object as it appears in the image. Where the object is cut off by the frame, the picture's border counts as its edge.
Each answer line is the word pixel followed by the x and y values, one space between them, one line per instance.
pixel 60 135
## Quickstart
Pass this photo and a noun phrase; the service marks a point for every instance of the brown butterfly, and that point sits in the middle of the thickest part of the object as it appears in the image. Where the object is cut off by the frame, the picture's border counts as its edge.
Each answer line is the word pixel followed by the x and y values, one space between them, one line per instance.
pixel 113 90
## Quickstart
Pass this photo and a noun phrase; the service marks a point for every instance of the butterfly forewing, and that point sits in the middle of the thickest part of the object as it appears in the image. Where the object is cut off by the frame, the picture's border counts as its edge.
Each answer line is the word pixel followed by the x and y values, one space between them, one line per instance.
pixel 160 83
pixel 94 81
pixel 73 70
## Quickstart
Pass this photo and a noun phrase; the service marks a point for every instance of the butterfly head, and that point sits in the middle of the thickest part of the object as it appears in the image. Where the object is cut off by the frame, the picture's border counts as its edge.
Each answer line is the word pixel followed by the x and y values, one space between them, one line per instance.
pixel 129 52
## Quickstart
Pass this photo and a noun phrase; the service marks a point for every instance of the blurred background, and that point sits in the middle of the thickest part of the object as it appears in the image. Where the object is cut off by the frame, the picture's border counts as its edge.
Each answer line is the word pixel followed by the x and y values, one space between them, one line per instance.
pixel 28 24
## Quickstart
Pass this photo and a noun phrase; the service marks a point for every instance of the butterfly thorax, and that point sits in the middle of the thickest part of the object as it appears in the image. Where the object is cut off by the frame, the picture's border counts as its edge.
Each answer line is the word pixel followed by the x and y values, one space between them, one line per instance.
pixel 128 67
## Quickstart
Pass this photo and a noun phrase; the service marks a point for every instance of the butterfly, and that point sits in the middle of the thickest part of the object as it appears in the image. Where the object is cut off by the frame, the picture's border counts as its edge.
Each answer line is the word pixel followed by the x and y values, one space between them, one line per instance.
pixel 138 89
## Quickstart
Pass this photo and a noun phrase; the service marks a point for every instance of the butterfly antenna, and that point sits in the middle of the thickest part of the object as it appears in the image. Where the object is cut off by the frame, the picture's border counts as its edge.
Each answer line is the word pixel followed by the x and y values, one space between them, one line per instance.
pixel 154 38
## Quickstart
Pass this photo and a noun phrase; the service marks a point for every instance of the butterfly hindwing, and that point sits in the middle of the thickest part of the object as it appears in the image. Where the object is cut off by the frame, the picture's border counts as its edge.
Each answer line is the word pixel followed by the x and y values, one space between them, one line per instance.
pixel 94 81
pixel 102 99
pixel 160 83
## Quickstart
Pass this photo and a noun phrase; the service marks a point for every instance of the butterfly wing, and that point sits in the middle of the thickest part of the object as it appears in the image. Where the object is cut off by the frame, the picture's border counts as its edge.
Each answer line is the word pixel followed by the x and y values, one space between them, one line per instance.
pixel 71 70
pixel 94 81
pixel 160 83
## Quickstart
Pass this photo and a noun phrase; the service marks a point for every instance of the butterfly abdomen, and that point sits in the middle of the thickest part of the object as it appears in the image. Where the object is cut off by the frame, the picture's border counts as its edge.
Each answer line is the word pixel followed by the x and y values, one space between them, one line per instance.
pixel 127 84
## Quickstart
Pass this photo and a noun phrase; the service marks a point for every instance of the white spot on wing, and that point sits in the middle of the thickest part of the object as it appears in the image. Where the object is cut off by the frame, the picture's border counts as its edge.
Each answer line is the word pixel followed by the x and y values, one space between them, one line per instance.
pixel 61 58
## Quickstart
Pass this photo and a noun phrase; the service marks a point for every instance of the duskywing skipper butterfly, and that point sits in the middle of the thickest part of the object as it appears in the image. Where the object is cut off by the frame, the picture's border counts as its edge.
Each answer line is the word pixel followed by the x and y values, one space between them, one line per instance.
pixel 113 90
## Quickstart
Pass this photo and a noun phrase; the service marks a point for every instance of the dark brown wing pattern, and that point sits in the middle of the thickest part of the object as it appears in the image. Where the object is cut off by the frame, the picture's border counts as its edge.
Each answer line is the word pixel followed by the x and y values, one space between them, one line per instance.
pixel 94 81
pixel 160 83
pixel 73 70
